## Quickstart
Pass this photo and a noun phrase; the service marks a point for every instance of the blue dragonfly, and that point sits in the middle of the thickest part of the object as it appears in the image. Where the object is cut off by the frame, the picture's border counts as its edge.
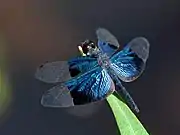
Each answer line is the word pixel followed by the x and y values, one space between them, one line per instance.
pixel 99 71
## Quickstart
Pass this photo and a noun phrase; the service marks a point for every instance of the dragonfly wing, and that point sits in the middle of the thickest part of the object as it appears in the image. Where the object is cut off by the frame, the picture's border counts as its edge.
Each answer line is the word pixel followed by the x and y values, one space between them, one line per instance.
pixel 106 41
pixel 94 85
pixel 58 96
pixel 140 46
pixel 122 90
pixel 105 36
pixel 130 62
pixel 81 65
pixel 53 72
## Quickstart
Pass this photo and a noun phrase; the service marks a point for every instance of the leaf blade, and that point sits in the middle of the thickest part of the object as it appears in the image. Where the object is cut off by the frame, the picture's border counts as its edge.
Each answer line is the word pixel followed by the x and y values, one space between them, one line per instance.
pixel 127 122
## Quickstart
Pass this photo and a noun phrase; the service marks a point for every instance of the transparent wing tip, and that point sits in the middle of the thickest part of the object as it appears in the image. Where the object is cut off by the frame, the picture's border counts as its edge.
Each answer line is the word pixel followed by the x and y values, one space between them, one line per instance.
pixel 100 29
pixel 45 73
pixel 140 46
pixel 53 72
pixel 39 72
pixel 57 96
pixel 106 36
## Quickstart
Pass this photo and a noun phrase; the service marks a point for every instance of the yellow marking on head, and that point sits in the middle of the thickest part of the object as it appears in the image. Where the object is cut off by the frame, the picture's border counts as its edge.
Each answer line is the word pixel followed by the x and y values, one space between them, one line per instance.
pixel 81 51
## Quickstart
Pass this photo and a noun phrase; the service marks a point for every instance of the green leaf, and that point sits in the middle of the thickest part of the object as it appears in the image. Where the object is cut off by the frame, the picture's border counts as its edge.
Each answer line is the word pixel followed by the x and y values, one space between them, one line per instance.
pixel 127 122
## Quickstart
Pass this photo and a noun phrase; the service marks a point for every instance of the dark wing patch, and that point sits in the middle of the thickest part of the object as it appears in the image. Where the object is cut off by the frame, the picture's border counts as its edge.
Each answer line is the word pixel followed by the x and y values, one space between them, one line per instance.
pixel 107 42
pixel 95 84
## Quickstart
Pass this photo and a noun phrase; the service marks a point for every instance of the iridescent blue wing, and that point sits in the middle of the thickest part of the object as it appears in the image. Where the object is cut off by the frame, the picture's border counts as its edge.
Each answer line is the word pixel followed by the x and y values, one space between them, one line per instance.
pixel 95 84
pixel 81 65
pixel 140 46
pixel 130 62
pixel 107 43
pixel 53 72
pixel 60 71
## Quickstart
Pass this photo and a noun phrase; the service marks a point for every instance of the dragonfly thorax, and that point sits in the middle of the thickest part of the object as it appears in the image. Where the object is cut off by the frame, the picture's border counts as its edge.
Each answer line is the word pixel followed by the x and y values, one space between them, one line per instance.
pixel 103 60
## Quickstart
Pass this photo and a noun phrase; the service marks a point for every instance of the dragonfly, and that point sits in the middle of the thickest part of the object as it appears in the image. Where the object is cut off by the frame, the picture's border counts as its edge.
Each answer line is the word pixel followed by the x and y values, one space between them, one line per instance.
pixel 99 71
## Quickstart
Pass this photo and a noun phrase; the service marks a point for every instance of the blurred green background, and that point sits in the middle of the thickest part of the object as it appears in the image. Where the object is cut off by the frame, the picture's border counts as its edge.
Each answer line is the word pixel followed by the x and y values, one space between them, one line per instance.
pixel 5 92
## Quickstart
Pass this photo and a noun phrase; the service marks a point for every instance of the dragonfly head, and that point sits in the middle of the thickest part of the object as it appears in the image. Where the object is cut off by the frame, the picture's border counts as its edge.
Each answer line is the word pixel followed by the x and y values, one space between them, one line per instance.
pixel 87 48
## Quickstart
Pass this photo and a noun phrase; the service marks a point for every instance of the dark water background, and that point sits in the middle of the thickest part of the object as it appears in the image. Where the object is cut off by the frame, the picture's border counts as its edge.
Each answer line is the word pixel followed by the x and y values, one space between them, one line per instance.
pixel 41 30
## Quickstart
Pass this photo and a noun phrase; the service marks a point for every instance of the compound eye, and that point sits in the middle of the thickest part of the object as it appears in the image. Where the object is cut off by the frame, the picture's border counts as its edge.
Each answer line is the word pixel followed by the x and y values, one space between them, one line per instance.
pixel 89 47
pixel 92 45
